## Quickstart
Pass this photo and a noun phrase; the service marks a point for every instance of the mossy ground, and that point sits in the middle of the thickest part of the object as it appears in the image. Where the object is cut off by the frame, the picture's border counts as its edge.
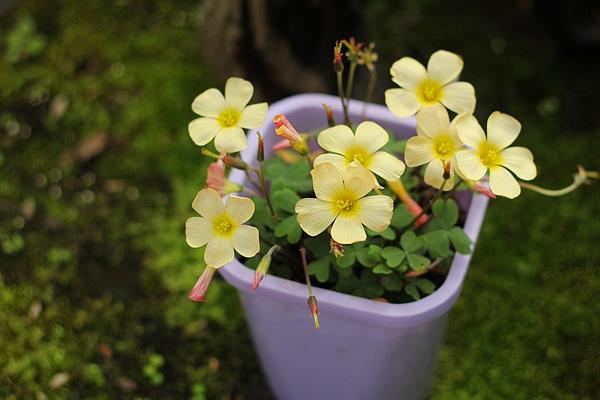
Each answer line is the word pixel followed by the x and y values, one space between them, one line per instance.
pixel 94 266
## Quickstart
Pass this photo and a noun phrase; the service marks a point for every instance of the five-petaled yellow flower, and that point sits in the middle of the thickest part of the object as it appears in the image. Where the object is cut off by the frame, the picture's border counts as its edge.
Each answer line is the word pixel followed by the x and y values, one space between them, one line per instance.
pixel 361 147
pixel 221 227
pixel 224 117
pixel 436 143
pixel 422 87
pixel 494 154
pixel 341 200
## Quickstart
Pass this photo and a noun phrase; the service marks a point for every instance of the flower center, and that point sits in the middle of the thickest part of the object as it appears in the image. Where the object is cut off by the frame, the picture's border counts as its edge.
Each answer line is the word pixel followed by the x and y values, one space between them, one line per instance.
pixel 229 117
pixel 444 146
pixel 429 91
pixel 358 154
pixel 223 226
pixel 344 205
pixel 489 155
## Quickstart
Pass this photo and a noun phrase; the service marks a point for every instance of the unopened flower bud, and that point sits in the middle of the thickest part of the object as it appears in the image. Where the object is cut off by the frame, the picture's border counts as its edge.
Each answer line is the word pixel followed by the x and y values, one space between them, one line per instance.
pixel 215 179
pixel 234 162
pixel 286 130
pixel 446 174
pixel 260 152
pixel 481 188
pixel 313 306
pixel 198 292
pixel 329 114
pixel 338 64
pixel 263 266
pixel 412 206
pixel 336 248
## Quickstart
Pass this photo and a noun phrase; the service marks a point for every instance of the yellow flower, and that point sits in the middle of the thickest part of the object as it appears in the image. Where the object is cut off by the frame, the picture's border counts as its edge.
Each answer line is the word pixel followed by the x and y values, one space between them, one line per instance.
pixel 361 147
pixel 436 143
pixel 494 154
pixel 221 227
pixel 422 87
pixel 224 117
pixel 341 201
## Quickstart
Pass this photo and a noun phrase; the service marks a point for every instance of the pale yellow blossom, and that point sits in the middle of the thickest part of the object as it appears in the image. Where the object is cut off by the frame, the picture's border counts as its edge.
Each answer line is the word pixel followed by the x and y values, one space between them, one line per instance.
pixel 422 88
pixel 221 227
pixel 343 201
pixel 492 153
pixel 223 118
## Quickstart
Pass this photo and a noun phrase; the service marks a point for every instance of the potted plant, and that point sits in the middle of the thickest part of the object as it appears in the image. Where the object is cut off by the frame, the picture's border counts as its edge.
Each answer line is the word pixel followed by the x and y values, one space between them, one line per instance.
pixel 385 243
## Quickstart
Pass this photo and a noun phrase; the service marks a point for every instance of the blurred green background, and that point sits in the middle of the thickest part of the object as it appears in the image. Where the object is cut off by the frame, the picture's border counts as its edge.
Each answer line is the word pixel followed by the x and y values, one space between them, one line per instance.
pixel 97 175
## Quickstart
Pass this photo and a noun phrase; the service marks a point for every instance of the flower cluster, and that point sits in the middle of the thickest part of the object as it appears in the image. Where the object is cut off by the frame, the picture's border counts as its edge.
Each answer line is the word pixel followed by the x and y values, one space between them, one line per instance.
pixel 338 202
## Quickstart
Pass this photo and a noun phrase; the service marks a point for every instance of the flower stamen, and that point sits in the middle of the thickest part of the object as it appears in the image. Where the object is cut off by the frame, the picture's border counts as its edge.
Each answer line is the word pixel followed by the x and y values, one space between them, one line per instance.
pixel 228 117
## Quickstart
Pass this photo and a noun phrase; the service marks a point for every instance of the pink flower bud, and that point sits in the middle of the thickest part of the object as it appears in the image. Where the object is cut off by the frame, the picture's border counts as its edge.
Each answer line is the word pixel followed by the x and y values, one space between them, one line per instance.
pixel 483 188
pixel 198 292
pixel 313 306
pixel 263 266
pixel 215 179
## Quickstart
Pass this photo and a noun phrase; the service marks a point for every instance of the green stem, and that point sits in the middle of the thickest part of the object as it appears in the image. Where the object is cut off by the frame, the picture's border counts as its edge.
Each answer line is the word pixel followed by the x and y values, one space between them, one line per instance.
pixel 305 267
pixel 340 87
pixel 263 186
pixel 579 179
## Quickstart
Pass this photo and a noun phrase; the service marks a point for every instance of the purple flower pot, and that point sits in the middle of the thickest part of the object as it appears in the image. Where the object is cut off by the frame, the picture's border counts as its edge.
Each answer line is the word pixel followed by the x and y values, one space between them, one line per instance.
pixel 364 349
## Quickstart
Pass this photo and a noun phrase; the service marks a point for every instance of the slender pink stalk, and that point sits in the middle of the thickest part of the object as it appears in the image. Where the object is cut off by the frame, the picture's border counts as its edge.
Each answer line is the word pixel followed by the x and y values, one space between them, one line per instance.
pixel 198 292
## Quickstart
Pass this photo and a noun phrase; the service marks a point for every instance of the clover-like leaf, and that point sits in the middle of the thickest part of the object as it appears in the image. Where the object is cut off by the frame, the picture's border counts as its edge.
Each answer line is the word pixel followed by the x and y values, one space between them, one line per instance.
pixel 446 211
pixel 460 240
pixel 382 269
pixel 425 285
pixel 417 261
pixel 285 199
pixel 401 217
pixel 393 256
pixel 393 283
pixel 320 269
pixel 410 242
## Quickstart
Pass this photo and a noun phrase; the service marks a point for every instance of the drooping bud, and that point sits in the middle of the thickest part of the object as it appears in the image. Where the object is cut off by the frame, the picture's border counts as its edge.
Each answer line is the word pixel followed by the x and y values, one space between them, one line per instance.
pixel 281 145
pixel 198 292
pixel 260 151
pixel 412 206
pixel 286 130
pixel 313 306
pixel 234 162
pixel 335 248
pixel 263 266
pixel 329 114
pixel 215 179
pixel 338 63
pixel 480 187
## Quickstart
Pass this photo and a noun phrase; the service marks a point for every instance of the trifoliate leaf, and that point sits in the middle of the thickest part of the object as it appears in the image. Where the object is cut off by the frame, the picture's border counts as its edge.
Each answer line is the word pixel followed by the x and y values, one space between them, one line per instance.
pixel 401 217
pixel 393 256
pixel 393 283
pixel 320 269
pixel 412 291
pixel 285 200
pixel 460 240
pixel 289 227
pixel 410 242
pixel 382 269
pixel 425 285
pixel 362 255
pixel 446 211
pixel 437 243
pixel 348 259
pixel 318 245
pixel 417 262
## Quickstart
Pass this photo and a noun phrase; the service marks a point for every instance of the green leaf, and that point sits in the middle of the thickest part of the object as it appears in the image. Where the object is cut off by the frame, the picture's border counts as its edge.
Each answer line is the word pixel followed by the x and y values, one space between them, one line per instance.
pixel 285 200
pixel 417 262
pixel 289 227
pixel 382 269
pixel 393 283
pixel 401 217
pixel 320 269
pixel 348 259
pixel 362 255
pixel 347 284
pixel 410 242
pixel 367 277
pixel 369 291
pixel 393 255
pixel 437 243
pixel 446 211
pixel 375 253
pixel 425 285
pixel 412 291
pixel 460 240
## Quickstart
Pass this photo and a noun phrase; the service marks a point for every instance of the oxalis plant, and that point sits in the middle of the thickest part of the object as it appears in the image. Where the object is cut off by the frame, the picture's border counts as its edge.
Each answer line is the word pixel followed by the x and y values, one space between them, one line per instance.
pixel 338 205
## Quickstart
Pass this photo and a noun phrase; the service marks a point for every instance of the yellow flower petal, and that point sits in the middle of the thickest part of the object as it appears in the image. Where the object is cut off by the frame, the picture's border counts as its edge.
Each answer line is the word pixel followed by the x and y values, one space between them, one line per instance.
pixel 520 161
pixel 238 92
pixel 208 203
pixel 326 181
pixel 219 251
pixel 337 160
pixel 434 175
pixel 433 121
pixel 252 117
pixel 348 230
pixel 503 183
pixel 502 129
pixel 376 211
pixel 203 130
pixel 336 139
pixel 470 164
pixel 444 66
pixel 459 97
pixel 386 166
pixel 358 180
pixel 371 136
pixel 240 209
pixel 401 102
pixel 314 215
pixel 245 241
pixel 198 231
pixel 209 103
pixel 408 72
pixel 231 140
pixel 469 131
pixel 418 151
